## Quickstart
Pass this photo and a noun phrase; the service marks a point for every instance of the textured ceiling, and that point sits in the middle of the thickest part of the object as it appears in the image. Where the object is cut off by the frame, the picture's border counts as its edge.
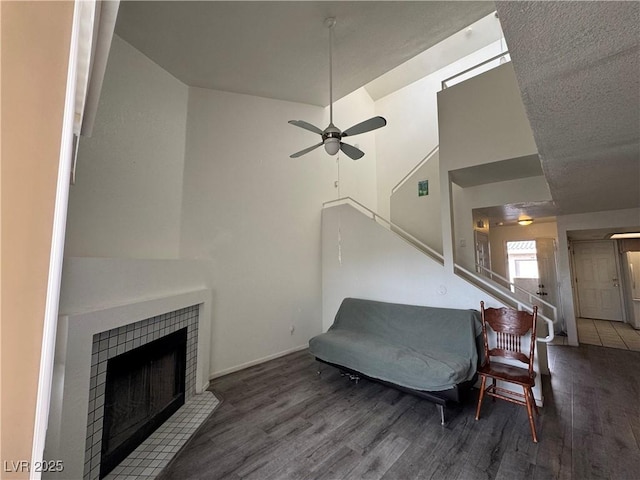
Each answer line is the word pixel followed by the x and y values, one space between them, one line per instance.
pixel 577 65
pixel 280 49
pixel 510 214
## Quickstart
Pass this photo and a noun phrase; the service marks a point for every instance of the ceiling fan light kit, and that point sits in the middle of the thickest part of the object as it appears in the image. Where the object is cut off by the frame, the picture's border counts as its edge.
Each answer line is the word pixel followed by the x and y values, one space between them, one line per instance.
pixel 332 136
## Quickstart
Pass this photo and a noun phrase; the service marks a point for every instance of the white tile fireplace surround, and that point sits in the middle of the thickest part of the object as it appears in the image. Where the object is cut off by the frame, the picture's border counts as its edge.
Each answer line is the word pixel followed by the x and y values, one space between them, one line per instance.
pixel 85 341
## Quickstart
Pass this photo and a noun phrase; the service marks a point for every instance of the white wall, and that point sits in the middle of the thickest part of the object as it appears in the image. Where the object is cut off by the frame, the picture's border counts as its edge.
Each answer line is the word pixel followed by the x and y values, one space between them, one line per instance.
pixel 254 213
pixel 127 199
pixel 483 120
pixel 91 283
pixel 368 261
pixel 420 216
pixel 412 129
pixel 583 221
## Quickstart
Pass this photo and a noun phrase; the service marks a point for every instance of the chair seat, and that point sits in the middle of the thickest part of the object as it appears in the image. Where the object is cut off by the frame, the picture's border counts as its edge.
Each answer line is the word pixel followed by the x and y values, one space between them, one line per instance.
pixel 508 373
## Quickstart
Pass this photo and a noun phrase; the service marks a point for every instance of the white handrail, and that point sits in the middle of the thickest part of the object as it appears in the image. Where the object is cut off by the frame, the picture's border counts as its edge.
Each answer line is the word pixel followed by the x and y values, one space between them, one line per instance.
pixel 507 293
pixel 470 69
pixel 529 294
pixel 416 168
pixel 388 225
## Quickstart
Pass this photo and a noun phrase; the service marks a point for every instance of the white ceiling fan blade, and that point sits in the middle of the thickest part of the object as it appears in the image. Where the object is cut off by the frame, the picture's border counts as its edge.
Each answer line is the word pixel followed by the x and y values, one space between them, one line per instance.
pixel 306 150
pixel 366 126
pixel 352 152
pixel 306 126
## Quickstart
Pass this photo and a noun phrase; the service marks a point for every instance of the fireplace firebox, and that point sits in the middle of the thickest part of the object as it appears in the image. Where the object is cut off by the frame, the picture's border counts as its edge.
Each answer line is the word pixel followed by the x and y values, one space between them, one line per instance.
pixel 144 387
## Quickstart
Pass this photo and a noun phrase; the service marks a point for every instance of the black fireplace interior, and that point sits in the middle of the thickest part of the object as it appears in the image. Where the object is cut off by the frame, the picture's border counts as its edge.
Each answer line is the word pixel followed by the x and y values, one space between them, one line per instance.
pixel 144 387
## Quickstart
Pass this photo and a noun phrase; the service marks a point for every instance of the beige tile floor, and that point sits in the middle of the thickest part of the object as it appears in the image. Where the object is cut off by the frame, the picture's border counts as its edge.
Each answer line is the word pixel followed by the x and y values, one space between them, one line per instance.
pixel 559 340
pixel 608 334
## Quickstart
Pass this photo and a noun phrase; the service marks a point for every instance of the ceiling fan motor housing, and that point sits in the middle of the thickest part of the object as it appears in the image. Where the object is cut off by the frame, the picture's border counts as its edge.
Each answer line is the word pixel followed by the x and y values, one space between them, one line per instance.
pixel 331 132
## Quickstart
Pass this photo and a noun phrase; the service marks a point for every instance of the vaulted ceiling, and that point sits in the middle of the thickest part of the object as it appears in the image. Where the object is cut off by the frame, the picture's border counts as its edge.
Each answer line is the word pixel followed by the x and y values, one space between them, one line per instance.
pixel 280 49
pixel 577 65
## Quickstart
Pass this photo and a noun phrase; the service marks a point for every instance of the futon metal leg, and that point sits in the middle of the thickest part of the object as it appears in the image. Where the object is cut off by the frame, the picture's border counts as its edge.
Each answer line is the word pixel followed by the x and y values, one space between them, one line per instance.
pixel 354 377
pixel 441 408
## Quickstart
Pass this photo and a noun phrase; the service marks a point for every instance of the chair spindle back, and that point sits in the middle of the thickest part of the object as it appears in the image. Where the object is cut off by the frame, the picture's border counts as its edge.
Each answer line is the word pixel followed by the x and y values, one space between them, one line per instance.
pixel 510 326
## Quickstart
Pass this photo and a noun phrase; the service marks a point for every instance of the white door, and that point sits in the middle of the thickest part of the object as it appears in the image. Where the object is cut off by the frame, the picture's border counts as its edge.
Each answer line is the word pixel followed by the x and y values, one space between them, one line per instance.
pixel 547 275
pixel 597 280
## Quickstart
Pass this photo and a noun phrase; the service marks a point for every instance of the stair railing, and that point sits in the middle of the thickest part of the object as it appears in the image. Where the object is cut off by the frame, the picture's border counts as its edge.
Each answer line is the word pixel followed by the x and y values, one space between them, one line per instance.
pixel 406 236
pixel 516 288
pixel 503 292
pixel 447 82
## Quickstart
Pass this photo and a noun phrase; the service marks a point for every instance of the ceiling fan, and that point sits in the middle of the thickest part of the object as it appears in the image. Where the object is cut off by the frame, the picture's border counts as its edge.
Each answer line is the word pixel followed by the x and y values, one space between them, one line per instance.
pixel 332 136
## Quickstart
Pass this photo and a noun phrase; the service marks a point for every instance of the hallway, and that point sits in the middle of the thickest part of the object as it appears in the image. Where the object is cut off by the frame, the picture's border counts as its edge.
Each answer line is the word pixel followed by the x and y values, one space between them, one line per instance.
pixel 608 334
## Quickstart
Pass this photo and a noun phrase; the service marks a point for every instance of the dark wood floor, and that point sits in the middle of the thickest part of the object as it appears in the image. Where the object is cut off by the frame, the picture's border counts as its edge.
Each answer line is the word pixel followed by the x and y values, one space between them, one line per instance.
pixel 279 420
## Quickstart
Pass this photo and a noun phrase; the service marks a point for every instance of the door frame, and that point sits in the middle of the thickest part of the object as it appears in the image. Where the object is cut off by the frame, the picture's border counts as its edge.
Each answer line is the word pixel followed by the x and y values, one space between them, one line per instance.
pixel 574 287
pixel 556 286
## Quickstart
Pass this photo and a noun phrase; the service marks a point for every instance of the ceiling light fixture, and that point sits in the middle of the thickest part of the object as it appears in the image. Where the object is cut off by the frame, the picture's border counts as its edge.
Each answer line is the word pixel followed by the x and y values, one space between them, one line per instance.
pixel 332 136
pixel 332 145
pixel 616 236
pixel 525 221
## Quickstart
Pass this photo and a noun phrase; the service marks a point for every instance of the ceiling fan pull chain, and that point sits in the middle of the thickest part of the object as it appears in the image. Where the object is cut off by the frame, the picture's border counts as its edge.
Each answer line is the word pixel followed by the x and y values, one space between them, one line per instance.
pixel 339 215
pixel 338 183
pixel 339 246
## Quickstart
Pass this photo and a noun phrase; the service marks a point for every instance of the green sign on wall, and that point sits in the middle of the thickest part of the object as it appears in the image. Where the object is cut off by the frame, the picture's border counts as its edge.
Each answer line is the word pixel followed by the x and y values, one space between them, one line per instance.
pixel 423 188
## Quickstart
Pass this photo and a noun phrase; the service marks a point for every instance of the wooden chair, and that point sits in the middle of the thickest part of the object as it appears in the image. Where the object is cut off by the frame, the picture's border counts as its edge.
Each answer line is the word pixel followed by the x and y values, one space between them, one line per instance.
pixel 510 326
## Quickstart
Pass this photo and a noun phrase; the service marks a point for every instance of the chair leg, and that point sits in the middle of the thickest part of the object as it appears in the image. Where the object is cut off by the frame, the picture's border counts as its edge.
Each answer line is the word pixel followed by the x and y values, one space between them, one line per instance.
pixel 533 402
pixel 481 396
pixel 493 386
pixel 528 397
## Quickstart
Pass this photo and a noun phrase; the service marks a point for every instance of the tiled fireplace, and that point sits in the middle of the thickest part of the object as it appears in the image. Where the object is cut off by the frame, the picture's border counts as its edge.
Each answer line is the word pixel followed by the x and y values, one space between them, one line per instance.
pixel 110 345
pixel 91 342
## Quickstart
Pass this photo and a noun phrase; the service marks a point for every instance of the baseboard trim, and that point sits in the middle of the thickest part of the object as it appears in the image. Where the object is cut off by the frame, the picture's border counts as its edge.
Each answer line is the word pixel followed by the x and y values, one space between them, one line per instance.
pixel 258 361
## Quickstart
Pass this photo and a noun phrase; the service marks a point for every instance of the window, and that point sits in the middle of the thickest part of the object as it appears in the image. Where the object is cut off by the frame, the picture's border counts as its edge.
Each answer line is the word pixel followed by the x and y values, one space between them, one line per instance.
pixel 521 256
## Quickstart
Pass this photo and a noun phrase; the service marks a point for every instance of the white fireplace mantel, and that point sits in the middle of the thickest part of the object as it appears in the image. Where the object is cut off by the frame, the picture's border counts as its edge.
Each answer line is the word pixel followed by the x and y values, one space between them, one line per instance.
pixel 66 435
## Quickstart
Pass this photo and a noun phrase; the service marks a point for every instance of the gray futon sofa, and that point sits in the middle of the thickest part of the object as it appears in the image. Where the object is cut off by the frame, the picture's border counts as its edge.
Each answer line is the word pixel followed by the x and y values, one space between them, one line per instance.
pixel 428 351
